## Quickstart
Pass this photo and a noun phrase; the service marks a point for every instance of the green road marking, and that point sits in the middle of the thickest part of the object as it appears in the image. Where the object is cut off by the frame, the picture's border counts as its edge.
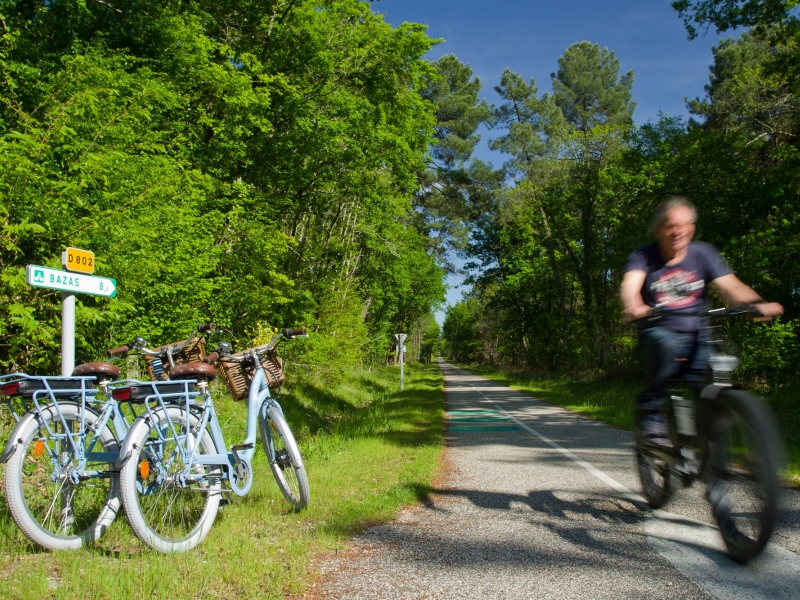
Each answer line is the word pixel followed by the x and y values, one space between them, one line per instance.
pixel 488 428
pixel 479 420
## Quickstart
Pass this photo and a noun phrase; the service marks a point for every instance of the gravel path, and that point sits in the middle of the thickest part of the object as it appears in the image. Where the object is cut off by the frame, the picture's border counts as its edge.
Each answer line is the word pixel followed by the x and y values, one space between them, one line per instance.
pixel 515 517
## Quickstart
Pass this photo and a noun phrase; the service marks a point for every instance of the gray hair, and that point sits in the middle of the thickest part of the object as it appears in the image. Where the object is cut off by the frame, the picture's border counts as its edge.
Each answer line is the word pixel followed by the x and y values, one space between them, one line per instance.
pixel 660 214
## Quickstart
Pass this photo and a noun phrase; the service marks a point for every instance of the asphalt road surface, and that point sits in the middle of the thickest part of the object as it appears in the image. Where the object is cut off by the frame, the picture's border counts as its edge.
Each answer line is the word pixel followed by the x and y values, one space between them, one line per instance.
pixel 538 502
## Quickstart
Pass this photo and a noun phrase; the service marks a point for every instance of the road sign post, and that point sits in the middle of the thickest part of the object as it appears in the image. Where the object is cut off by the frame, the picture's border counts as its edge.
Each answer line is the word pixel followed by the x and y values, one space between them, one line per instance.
pixel 77 279
pixel 67 333
pixel 401 350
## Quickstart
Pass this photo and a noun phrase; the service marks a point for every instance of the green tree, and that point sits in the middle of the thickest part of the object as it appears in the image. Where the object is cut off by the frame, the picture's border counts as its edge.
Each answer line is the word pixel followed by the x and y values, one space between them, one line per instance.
pixel 730 14
pixel 251 162
pixel 453 189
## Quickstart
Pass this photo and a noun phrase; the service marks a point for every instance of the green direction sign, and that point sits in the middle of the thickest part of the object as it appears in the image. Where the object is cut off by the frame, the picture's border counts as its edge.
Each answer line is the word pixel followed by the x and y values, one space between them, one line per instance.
pixel 65 281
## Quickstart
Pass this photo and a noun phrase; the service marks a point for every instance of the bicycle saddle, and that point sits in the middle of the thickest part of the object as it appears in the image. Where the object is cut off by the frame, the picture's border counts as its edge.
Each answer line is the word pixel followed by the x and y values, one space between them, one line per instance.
pixel 102 370
pixel 194 370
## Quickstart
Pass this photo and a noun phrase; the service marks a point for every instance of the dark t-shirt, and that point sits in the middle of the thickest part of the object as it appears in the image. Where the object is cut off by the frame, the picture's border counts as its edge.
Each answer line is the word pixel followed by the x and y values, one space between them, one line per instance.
pixel 681 288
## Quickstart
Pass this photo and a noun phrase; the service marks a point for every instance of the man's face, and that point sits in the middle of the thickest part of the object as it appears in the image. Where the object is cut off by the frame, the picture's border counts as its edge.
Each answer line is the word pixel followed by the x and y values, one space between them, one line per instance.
pixel 678 229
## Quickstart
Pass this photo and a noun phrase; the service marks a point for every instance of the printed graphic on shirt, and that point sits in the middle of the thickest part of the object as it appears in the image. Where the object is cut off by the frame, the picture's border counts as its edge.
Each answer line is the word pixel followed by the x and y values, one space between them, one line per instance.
pixel 677 288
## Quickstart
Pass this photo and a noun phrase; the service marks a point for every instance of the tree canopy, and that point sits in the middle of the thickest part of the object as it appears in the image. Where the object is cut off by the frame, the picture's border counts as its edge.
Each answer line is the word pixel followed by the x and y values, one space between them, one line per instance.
pixel 255 163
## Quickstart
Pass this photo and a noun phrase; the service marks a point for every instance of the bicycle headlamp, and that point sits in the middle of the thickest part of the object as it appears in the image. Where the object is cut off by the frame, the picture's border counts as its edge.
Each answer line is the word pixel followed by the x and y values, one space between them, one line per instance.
pixel 724 363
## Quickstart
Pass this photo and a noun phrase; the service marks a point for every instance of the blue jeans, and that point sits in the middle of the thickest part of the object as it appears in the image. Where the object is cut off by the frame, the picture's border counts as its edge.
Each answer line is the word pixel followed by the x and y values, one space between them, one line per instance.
pixel 658 348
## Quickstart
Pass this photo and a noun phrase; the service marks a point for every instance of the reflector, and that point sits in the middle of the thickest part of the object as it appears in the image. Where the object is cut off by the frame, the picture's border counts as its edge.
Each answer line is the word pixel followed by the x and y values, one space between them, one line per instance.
pixel 122 394
pixel 10 389
pixel 38 448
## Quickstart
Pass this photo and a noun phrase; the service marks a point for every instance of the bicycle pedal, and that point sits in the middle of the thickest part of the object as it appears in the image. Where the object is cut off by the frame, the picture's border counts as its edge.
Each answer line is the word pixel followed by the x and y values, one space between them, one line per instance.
pixel 239 447
pixel 689 466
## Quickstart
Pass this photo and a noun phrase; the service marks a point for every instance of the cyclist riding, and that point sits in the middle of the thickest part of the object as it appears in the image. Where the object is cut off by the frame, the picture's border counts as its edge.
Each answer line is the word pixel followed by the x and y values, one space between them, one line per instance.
pixel 674 273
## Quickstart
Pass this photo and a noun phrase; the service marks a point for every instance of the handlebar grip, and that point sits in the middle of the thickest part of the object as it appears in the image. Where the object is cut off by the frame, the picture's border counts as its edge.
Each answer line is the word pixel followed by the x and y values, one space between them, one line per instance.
pixel 290 333
pixel 206 327
pixel 116 351
pixel 212 357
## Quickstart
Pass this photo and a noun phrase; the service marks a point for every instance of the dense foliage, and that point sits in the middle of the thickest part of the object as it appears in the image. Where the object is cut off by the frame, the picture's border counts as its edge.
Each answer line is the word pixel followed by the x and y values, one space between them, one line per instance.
pixel 252 162
pixel 299 162
pixel 584 182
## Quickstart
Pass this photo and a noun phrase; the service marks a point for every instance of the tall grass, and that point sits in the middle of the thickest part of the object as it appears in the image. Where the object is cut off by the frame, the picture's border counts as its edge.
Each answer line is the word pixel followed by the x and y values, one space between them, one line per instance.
pixel 369 449
pixel 612 402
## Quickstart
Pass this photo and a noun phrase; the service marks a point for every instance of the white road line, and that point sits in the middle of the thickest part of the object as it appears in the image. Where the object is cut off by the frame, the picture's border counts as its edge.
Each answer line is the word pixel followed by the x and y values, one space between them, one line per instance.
pixel 609 481
pixel 695 548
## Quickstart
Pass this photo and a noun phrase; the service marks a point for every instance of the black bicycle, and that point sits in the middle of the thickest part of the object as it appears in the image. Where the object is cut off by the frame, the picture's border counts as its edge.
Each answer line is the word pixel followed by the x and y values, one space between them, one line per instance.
pixel 729 440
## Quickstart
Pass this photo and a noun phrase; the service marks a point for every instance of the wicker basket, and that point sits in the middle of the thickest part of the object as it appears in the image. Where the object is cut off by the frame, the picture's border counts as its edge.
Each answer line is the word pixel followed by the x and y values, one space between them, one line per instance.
pixel 239 375
pixel 158 370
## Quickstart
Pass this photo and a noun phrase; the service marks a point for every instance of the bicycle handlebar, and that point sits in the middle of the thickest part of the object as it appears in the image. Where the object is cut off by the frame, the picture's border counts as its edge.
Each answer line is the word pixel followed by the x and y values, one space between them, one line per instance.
pixel 288 334
pixel 139 343
pixel 659 310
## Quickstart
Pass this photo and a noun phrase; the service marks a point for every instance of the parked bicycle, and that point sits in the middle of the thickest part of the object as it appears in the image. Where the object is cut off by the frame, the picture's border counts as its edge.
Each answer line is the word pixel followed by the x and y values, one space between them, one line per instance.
pixel 730 441
pixel 61 476
pixel 174 458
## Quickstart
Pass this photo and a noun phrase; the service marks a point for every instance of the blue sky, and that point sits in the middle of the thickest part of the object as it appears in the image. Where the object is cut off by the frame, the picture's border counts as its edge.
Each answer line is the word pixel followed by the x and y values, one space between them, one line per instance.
pixel 529 36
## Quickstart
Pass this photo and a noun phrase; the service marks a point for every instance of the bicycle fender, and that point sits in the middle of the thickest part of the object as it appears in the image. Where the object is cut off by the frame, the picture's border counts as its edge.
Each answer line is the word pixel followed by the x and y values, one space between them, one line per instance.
pixel 710 392
pixel 127 444
pixel 15 439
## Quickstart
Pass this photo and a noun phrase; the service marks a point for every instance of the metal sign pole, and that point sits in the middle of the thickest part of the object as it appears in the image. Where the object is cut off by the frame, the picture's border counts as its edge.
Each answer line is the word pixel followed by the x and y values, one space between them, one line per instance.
pixel 402 378
pixel 401 337
pixel 67 333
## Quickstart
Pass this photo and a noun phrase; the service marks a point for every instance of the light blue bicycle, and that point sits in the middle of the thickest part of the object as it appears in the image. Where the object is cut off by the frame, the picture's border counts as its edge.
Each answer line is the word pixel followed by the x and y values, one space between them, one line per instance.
pixel 175 459
pixel 61 473
pixel 61 484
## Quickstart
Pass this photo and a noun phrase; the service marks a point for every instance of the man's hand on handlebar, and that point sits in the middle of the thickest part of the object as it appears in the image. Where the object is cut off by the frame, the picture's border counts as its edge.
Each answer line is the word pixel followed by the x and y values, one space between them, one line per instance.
pixel 768 310
pixel 633 313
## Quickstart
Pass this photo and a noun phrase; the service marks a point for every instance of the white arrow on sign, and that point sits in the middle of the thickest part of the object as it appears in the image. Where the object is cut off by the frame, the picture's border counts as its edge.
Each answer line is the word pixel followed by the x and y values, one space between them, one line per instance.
pixel 65 281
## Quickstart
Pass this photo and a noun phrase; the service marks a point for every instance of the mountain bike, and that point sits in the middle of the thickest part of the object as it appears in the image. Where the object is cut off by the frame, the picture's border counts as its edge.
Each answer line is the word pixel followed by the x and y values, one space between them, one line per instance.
pixel 174 458
pixel 61 477
pixel 728 439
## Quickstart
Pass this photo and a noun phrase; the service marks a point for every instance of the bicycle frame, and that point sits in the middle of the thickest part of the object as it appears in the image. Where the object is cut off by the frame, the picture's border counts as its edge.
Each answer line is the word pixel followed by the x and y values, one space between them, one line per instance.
pixel 237 462
pixel 48 399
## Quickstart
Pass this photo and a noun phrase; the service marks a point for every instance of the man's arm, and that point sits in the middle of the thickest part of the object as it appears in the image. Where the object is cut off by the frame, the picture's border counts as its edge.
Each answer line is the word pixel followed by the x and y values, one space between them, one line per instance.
pixel 734 292
pixel 633 306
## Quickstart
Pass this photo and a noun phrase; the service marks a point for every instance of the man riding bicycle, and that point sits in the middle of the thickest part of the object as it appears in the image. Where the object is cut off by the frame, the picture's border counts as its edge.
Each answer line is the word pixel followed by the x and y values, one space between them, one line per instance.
pixel 674 273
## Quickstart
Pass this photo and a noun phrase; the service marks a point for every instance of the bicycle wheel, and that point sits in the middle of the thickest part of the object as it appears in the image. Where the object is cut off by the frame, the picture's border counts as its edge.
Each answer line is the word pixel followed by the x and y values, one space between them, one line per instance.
pixel 169 507
pixel 743 482
pixel 285 459
pixel 654 475
pixel 49 507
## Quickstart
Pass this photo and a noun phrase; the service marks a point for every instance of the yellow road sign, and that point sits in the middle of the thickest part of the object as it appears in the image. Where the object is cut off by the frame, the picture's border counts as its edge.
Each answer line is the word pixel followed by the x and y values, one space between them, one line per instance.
pixel 79 261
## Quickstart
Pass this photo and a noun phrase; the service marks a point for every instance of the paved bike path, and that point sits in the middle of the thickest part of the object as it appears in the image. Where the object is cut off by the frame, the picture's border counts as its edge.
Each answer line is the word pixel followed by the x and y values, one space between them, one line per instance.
pixel 540 502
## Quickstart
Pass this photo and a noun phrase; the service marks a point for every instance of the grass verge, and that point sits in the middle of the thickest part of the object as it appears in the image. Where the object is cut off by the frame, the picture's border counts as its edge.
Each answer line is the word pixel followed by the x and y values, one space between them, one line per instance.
pixel 369 450
pixel 612 402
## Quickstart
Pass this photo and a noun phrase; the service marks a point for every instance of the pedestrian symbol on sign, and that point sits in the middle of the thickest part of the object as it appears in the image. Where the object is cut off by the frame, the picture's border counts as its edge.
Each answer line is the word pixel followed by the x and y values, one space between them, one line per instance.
pixel 38 276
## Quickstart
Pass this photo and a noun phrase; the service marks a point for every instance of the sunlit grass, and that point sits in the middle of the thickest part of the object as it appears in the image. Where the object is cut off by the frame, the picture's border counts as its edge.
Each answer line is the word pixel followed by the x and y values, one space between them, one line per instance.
pixel 369 450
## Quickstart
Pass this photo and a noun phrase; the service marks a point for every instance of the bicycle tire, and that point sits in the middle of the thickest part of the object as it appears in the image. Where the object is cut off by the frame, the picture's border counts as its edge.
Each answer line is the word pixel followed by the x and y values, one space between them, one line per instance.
pixel 655 478
pixel 744 451
pixel 37 478
pixel 164 513
pixel 285 460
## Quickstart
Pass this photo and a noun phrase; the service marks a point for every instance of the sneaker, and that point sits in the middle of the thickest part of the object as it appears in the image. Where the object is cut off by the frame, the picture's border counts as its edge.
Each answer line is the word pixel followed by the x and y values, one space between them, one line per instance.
pixel 655 432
